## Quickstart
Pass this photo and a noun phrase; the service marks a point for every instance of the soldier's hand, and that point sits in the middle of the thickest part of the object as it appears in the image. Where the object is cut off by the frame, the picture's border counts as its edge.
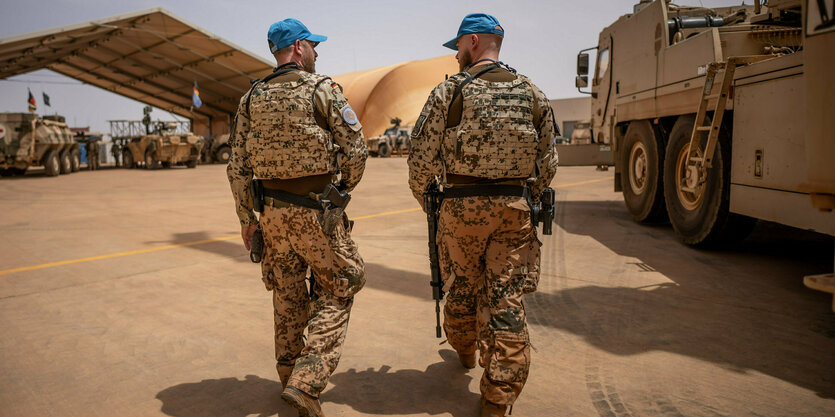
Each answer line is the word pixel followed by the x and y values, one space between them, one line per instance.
pixel 246 234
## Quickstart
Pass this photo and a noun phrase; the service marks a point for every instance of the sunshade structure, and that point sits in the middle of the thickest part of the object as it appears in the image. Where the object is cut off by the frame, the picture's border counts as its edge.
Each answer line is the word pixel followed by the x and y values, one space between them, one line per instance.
pixel 381 94
pixel 151 56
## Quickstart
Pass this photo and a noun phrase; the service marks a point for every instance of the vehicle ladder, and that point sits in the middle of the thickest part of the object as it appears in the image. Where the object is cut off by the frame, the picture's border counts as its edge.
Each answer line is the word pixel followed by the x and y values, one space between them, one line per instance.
pixel 698 164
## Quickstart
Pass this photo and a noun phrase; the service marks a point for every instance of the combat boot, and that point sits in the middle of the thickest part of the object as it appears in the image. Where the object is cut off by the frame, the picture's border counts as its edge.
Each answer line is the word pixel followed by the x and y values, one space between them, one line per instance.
pixel 489 409
pixel 307 405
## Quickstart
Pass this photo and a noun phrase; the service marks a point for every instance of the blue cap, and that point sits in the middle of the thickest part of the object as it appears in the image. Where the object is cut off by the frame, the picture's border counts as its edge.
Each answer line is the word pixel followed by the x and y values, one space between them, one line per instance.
pixel 476 23
pixel 284 33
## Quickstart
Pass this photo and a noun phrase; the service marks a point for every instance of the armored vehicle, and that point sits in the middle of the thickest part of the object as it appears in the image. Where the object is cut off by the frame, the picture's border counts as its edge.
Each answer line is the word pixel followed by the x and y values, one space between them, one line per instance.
pixel 217 149
pixel 581 135
pixel 395 140
pixel 28 140
pixel 167 144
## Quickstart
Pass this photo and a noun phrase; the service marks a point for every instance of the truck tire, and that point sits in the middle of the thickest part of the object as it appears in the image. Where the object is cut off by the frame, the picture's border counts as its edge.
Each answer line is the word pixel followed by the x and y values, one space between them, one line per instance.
pixel 51 164
pixel 384 150
pixel 66 162
pixel 192 163
pixel 642 185
pixel 702 218
pixel 127 159
pixel 75 159
pixel 223 154
pixel 151 161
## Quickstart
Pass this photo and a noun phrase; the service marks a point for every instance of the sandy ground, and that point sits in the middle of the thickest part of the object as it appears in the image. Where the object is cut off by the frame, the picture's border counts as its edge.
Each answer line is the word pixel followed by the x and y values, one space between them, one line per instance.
pixel 158 311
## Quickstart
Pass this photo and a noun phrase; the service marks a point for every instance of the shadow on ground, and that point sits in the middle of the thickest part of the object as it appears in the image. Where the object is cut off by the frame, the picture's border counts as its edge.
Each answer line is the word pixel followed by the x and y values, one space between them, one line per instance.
pixel 225 397
pixel 743 308
pixel 226 248
pixel 442 388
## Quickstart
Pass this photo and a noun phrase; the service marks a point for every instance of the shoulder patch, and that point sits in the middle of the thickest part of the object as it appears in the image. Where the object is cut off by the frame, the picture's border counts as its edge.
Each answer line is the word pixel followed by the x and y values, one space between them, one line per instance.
pixel 349 115
pixel 418 126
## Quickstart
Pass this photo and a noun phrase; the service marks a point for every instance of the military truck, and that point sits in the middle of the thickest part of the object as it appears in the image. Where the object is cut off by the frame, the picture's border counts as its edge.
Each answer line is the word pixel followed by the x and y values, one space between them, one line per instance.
pixel 217 149
pixel 711 114
pixel 166 143
pixel 27 140
pixel 396 140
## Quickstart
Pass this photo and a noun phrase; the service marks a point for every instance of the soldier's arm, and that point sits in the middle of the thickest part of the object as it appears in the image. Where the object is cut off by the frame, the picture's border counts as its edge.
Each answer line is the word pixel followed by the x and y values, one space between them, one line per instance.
pixel 239 169
pixel 547 158
pixel 424 160
pixel 346 131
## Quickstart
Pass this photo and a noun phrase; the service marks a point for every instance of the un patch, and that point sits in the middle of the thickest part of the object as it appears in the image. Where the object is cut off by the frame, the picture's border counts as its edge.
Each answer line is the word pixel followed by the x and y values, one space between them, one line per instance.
pixel 349 116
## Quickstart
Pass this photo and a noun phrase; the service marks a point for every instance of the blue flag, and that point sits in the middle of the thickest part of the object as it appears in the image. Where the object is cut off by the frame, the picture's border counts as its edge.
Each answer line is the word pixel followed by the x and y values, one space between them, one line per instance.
pixel 46 99
pixel 195 97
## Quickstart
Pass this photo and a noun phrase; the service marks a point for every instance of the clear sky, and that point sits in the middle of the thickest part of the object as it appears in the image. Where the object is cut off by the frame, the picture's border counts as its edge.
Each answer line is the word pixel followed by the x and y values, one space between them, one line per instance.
pixel 542 38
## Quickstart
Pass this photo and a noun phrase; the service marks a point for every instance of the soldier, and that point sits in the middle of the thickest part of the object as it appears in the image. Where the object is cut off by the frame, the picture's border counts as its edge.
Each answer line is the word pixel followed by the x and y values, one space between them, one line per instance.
pixel 92 154
pixel 487 134
pixel 116 152
pixel 296 134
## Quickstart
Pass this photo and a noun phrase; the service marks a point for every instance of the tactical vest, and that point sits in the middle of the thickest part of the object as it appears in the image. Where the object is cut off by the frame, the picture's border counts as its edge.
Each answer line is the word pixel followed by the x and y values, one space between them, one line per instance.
pixel 284 140
pixel 496 137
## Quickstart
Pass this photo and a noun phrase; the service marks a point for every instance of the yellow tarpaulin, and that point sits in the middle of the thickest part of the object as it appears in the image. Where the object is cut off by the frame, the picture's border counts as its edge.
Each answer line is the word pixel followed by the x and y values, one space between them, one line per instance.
pixel 381 94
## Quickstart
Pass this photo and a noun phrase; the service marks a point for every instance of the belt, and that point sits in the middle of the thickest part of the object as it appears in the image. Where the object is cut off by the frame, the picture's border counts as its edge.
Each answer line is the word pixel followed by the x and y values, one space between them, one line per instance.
pixel 486 190
pixel 470 180
pixel 300 186
pixel 292 199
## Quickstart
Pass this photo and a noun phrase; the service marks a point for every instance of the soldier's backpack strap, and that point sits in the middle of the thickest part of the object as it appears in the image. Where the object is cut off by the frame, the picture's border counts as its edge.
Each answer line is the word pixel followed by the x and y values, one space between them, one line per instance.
pixel 280 70
pixel 316 113
pixel 469 78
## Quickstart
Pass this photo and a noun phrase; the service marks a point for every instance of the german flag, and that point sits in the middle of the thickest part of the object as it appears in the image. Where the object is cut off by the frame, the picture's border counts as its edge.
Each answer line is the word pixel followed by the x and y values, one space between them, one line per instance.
pixel 32 104
pixel 195 96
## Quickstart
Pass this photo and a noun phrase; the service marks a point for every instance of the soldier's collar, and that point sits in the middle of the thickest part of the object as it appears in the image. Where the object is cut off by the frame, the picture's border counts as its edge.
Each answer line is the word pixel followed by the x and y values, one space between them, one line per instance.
pixel 287 65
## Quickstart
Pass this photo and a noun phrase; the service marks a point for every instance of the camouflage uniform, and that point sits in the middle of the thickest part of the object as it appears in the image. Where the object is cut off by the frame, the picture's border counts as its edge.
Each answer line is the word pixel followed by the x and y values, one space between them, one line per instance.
pixel 488 249
pixel 276 139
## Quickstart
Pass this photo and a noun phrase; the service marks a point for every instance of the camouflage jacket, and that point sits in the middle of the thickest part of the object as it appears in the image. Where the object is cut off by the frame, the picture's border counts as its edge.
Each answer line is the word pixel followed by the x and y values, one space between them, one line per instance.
pixel 349 144
pixel 426 159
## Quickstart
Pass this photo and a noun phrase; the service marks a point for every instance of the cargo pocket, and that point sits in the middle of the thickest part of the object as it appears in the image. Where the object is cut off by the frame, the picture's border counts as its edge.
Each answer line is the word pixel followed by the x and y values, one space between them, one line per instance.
pixel 511 358
pixel 532 257
pixel 348 268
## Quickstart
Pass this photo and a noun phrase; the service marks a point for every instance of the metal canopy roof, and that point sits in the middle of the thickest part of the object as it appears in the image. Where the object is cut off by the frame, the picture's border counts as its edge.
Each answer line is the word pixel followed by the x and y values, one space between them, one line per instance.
pixel 151 56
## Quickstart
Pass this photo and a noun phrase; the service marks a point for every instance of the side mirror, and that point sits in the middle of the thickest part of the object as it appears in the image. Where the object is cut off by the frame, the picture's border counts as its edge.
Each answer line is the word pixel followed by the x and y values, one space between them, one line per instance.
pixel 583 65
pixel 581 81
